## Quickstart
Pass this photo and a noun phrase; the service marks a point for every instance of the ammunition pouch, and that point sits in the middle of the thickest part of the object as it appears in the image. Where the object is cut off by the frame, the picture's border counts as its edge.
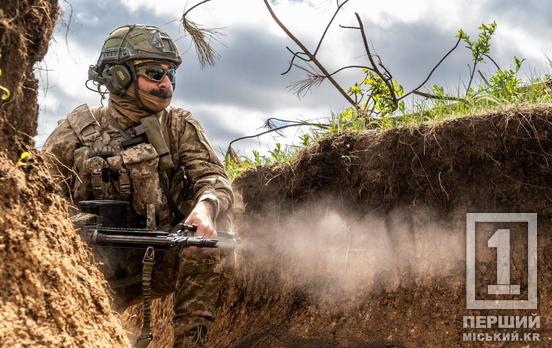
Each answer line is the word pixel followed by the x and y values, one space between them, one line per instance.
pixel 142 161
pixel 97 168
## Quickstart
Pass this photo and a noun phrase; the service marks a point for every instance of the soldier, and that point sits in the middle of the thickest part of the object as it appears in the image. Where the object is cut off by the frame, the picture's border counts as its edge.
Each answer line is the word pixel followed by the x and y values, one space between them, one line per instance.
pixel 156 157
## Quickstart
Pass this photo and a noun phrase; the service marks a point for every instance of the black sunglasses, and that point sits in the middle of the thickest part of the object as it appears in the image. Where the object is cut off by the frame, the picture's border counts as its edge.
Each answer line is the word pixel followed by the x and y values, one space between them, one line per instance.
pixel 156 73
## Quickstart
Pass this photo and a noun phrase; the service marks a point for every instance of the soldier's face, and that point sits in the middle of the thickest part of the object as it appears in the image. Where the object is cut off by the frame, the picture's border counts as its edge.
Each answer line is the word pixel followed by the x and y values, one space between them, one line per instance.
pixel 162 88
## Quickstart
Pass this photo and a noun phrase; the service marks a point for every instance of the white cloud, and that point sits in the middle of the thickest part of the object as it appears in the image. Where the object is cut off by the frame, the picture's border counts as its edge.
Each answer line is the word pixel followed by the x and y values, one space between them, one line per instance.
pixel 534 47
pixel 67 67
pixel 307 19
pixel 62 75
pixel 86 18
pixel 245 121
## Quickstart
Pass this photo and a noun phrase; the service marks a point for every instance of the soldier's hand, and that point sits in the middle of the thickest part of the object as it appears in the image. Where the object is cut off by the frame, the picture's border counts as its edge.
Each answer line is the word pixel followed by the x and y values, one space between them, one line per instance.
pixel 202 217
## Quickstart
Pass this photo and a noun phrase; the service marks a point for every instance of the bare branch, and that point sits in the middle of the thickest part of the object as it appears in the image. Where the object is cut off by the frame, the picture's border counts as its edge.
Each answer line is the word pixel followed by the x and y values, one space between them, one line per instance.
pixel 433 96
pixel 472 73
pixel 295 55
pixel 348 27
pixel 339 6
pixel 433 70
pixel 269 123
pixel 196 5
pixel 386 72
pixel 309 72
pixel 309 54
pixel 352 67
pixel 294 124
pixel 493 61
pixel 483 78
pixel 298 54
pixel 68 25
pixel 371 58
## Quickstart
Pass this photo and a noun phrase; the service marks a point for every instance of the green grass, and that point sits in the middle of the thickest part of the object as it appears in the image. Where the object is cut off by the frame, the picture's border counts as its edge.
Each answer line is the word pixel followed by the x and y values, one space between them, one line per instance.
pixel 374 96
pixel 536 92
pixel 420 111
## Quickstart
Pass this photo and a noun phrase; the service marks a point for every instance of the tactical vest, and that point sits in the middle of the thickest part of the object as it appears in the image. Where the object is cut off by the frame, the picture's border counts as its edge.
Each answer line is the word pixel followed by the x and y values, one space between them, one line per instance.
pixel 112 167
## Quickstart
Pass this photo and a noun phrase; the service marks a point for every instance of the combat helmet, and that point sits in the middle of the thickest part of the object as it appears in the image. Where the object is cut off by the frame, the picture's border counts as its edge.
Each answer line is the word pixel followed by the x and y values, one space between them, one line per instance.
pixel 128 43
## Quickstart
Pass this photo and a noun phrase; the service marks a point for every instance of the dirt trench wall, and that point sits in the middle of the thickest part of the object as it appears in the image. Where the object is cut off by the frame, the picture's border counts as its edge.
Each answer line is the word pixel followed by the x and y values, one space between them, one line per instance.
pixel 410 189
pixel 52 293
pixel 26 27
pixel 490 161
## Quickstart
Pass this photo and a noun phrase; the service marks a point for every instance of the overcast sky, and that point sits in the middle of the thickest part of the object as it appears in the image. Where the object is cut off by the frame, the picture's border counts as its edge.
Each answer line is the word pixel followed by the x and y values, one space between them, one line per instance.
pixel 245 87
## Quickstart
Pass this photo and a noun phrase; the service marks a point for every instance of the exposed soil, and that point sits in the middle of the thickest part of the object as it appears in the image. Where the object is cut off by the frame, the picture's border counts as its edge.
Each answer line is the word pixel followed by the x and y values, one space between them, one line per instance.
pixel 360 243
pixel 52 294
pixel 26 27
pixel 402 182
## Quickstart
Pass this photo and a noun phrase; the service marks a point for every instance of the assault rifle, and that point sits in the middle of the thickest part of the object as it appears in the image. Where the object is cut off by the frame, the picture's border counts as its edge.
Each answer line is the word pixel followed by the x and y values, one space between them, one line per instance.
pixel 103 224
pixel 110 230
pixel 142 237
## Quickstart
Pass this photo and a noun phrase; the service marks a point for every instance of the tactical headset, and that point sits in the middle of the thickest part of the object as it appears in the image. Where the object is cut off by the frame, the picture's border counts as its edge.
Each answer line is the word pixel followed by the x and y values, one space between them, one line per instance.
pixel 116 77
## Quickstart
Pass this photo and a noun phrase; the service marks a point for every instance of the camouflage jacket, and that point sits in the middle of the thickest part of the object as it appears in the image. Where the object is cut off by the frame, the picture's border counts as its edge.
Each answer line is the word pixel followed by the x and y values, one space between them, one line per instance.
pixel 132 174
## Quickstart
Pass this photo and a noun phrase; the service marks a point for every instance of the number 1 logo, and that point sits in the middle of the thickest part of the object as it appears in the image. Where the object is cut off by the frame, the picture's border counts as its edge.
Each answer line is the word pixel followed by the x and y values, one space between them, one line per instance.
pixel 501 241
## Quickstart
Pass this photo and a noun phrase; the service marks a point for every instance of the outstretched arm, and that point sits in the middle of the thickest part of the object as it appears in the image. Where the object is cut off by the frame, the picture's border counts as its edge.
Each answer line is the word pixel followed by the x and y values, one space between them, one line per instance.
pixel 212 190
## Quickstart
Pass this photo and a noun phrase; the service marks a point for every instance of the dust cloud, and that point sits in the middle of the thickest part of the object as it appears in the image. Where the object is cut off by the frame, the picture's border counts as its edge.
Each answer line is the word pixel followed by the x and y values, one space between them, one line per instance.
pixel 323 250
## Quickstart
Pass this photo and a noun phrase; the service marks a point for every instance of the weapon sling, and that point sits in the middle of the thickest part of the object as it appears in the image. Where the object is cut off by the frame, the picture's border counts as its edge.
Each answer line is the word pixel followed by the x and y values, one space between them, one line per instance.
pixel 147 267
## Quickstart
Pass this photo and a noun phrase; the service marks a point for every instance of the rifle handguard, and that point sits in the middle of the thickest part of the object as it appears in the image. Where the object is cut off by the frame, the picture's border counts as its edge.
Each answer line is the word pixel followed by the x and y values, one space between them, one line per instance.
pixel 142 240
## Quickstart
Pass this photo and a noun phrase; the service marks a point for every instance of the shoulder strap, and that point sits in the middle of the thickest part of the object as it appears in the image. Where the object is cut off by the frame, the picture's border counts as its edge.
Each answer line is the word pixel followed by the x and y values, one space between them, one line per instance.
pixel 84 124
pixel 172 124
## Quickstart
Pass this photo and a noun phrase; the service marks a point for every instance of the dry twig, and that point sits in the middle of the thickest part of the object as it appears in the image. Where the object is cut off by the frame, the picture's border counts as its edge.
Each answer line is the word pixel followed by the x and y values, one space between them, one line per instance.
pixel 202 38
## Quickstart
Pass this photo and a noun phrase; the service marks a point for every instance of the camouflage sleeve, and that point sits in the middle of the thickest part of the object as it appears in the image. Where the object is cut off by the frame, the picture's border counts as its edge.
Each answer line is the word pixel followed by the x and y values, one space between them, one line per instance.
pixel 58 151
pixel 203 168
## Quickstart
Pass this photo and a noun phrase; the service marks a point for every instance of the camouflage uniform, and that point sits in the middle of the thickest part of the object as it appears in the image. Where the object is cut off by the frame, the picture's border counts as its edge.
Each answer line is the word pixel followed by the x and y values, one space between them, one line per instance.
pixel 132 174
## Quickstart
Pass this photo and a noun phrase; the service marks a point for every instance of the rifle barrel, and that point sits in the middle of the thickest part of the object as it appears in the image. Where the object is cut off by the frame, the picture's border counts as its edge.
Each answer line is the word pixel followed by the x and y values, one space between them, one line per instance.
pixel 141 241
